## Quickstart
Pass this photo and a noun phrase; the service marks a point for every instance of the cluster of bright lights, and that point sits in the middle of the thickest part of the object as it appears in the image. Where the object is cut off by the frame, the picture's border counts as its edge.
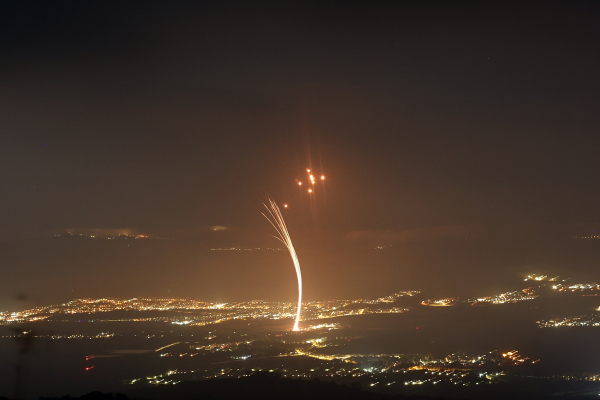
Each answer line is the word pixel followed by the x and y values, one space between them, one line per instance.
pixel 583 320
pixel 214 312
pixel 310 181
pixel 375 369
pixel 535 277
pixel 539 278
pixel 508 297
pixel 449 301
pixel 576 287
pixel 335 325
pixel 515 357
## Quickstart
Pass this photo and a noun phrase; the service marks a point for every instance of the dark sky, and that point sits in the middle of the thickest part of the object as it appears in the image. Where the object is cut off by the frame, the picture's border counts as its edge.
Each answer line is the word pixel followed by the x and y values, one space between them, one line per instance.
pixel 465 134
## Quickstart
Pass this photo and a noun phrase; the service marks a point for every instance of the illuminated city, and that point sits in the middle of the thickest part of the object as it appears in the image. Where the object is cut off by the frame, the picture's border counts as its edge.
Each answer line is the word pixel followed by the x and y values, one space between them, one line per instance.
pixel 578 287
pixel 583 320
pixel 360 200
pixel 212 313
pixel 450 301
pixel 235 340
pixel 503 298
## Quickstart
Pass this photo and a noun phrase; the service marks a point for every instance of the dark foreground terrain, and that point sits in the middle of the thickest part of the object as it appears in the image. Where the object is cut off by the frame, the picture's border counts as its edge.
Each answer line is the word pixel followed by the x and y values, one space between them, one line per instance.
pixel 266 386
pixel 270 386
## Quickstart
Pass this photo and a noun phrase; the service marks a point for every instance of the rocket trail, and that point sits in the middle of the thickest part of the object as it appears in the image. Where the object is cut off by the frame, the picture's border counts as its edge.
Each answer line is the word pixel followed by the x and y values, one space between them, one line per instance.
pixel 276 219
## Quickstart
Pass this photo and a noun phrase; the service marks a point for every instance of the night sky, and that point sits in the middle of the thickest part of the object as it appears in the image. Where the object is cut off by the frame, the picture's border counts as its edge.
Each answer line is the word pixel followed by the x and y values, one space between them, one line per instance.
pixel 462 135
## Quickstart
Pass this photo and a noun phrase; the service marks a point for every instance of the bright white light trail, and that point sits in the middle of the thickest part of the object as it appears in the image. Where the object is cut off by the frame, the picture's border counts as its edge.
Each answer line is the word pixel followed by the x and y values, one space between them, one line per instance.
pixel 276 219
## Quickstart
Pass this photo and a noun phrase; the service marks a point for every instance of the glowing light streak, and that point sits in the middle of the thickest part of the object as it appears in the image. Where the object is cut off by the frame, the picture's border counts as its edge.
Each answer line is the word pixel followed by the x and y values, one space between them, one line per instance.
pixel 276 220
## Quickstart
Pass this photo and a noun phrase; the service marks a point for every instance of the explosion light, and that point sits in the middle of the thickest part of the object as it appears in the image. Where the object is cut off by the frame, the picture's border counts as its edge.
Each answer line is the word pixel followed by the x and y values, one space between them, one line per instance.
pixel 310 179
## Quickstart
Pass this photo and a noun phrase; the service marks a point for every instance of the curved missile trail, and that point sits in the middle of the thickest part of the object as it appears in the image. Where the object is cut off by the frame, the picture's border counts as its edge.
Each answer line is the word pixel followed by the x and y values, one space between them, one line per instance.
pixel 276 219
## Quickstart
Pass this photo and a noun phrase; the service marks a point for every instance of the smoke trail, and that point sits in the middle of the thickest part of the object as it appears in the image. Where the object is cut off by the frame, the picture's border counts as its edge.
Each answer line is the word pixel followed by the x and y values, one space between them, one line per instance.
pixel 276 219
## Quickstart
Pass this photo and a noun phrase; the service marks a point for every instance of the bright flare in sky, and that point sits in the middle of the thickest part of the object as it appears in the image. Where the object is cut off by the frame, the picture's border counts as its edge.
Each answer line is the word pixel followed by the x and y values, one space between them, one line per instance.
pixel 310 179
pixel 276 219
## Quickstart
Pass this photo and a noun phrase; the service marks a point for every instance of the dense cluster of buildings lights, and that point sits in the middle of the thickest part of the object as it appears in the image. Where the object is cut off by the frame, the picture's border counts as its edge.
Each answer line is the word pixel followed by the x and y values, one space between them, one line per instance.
pixel 445 302
pixel 583 320
pixel 220 312
pixel 576 287
pixel 508 297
